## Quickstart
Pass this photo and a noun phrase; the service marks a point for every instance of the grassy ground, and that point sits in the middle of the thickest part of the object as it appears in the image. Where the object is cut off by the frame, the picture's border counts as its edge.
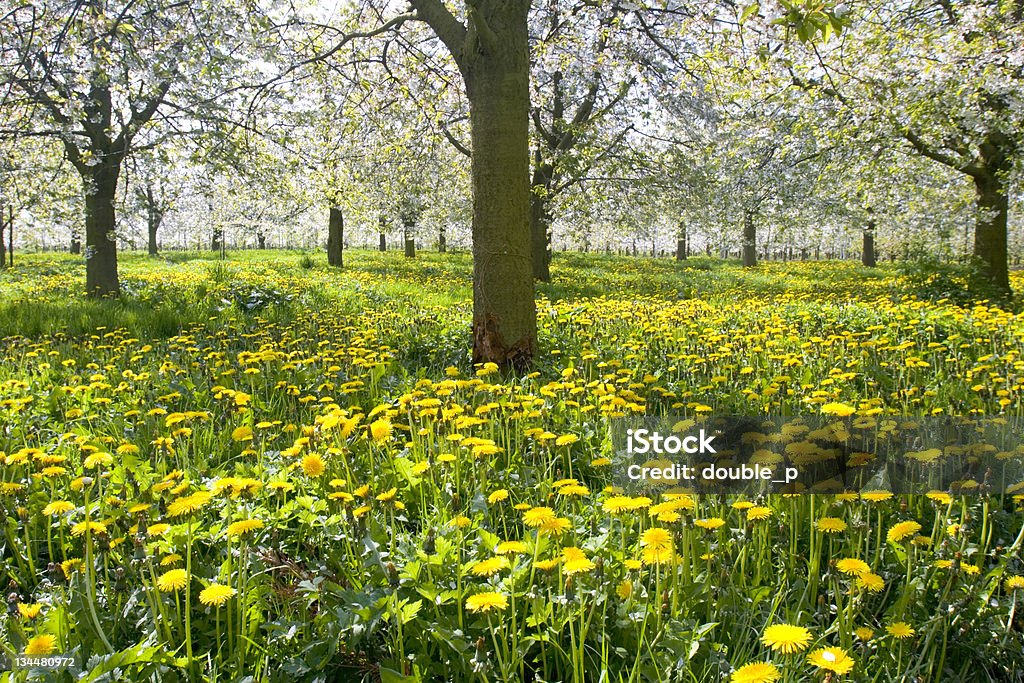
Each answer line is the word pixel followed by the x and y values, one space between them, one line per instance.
pixel 265 467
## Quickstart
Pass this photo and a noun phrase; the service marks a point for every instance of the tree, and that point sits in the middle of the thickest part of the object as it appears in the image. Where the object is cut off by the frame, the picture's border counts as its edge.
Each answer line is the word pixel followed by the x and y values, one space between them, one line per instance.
pixel 938 80
pixel 491 50
pixel 96 73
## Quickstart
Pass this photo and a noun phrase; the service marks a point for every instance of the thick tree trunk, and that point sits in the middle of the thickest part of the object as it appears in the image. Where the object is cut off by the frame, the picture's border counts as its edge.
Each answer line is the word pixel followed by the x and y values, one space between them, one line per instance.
pixel 990 234
pixel 749 240
pixel 498 87
pixel 540 219
pixel 217 241
pixel 335 237
pixel 100 187
pixel 867 256
pixel 382 223
pixel 261 241
pixel 442 243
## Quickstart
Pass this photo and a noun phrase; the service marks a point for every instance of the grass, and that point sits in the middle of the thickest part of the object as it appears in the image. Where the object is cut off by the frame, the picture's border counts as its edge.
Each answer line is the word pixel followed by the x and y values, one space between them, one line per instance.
pixel 313 446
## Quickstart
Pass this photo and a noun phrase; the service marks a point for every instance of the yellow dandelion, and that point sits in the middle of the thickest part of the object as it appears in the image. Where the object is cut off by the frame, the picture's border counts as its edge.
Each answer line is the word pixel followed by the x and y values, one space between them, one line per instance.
pixel 41 645
pixel 831 525
pixel 851 566
pixel 755 672
pixel 489 566
pixel 575 561
pixel 786 638
pixel 486 602
pixel 215 594
pixel 510 548
pixel 244 526
pixel 834 659
pixel 313 465
pixel 497 496
pixel 898 532
pixel 900 630
pixel 871 582
pixel 29 611
pixel 538 516
pixel 172 580
pixel 57 508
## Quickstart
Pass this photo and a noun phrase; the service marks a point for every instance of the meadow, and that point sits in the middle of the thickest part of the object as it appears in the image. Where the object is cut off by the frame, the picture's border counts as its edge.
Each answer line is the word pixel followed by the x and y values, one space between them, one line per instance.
pixel 265 469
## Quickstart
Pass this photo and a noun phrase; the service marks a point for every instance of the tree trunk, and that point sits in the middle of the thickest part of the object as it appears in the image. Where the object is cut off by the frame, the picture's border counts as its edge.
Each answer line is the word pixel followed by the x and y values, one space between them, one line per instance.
pixel 76 243
pixel 990 235
pixel 153 226
pixel 261 240
pixel 217 242
pixel 100 186
pixel 383 224
pixel 442 244
pixel 749 240
pixel 3 231
pixel 335 237
pixel 498 88
pixel 681 246
pixel 867 256
pixel 409 237
pixel 540 219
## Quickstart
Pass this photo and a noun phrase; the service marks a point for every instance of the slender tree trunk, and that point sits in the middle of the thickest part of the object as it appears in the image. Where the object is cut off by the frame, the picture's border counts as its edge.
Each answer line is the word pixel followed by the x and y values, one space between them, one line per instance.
pixel 261 240
pixel 681 245
pixel 217 241
pixel 76 243
pixel 540 218
pixel 153 226
pixel 335 237
pixel 442 244
pixel 749 240
pixel 100 186
pixel 990 233
pixel 498 88
pixel 3 231
pixel 409 237
pixel 383 224
pixel 867 256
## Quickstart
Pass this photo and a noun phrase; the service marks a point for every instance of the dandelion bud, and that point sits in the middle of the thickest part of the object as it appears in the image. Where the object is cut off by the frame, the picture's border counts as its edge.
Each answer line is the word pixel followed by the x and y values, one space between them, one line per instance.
pixel 429 546
pixel 393 579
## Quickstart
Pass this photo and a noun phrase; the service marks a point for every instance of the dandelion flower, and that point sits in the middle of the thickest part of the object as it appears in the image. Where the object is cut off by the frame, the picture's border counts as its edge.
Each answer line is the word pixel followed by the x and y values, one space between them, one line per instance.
pixel 490 566
pixel 900 630
pixel 41 645
pixel 172 580
pixel 575 561
pixel 624 590
pixel 831 525
pixel 786 638
pixel 755 672
pixel 1014 583
pixel 244 526
pixel 554 527
pixel 216 594
pixel 497 496
pixel 58 507
pixel 538 516
pixel 313 465
pixel 485 602
pixel 97 528
pixel 380 430
pixel 833 659
pixel 710 524
pixel 900 531
pixel 864 633
pixel 189 504
pixel 851 566
pixel 29 611
pixel 871 582
pixel 510 548
pixel 758 512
